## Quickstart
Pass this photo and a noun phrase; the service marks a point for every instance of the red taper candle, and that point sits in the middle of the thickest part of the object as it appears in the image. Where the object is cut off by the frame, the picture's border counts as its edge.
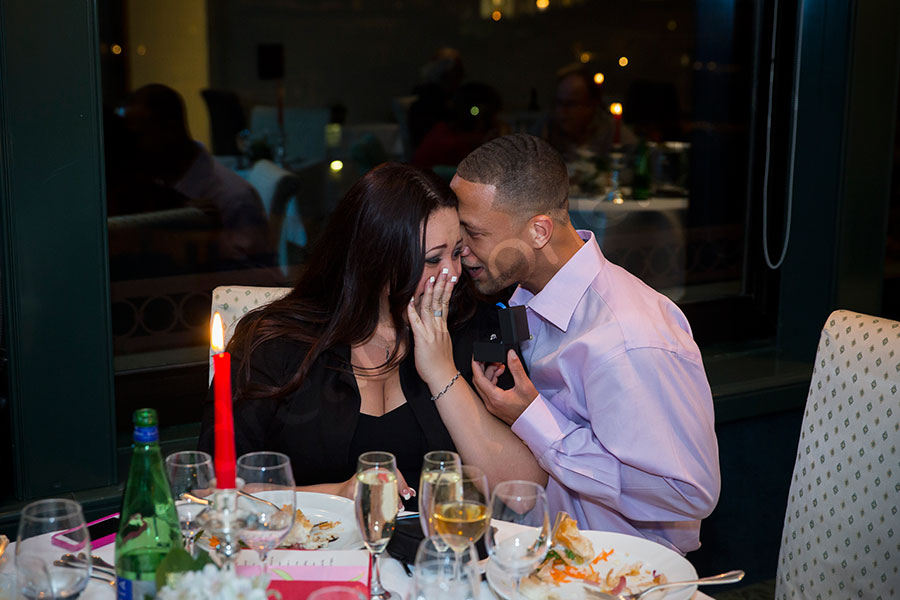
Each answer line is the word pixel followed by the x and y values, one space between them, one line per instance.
pixel 225 454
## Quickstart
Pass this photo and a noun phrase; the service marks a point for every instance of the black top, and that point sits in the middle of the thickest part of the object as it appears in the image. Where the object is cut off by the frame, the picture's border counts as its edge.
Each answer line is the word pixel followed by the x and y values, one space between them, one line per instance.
pixel 315 426
pixel 396 432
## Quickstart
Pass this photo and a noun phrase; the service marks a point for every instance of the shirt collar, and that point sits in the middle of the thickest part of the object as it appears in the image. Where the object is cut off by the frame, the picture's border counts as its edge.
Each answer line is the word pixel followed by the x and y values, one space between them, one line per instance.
pixel 557 301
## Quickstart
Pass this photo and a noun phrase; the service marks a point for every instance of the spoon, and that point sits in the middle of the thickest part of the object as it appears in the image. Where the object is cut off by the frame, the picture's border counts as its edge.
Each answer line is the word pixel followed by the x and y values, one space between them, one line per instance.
pixel 96 560
pixel 721 578
pixel 99 576
pixel 75 561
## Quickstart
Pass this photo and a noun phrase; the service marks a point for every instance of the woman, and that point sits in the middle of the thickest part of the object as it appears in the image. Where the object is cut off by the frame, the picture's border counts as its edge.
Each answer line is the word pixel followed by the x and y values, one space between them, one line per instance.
pixel 331 370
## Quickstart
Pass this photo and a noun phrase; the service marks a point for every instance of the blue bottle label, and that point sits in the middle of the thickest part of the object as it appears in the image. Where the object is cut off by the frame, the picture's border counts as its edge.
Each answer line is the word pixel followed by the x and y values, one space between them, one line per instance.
pixel 145 435
pixel 126 589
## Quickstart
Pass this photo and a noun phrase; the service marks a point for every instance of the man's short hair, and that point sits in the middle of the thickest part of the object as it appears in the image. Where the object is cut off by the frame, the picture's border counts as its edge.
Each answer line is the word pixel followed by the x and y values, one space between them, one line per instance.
pixel 529 175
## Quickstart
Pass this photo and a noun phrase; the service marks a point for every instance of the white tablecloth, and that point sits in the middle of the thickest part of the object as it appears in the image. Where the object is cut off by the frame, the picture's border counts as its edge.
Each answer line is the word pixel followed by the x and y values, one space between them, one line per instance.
pixel 393 576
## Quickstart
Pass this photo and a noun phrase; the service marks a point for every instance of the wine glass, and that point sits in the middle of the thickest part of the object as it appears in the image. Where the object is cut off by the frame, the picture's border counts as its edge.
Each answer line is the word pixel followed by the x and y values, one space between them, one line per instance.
pixel 269 500
pixel 190 472
pixel 377 504
pixel 337 592
pixel 443 574
pixel 435 463
pixel 522 544
pixel 459 509
pixel 42 523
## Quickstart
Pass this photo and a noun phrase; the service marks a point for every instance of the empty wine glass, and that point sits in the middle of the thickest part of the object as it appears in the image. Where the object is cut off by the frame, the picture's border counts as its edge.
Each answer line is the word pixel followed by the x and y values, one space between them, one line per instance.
pixel 43 527
pixel 376 504
pixel 190 473
pixel 269 480
pixel 459 508
pixel 337 592
pixel 443 574
pixel 522 544
pixel 435 463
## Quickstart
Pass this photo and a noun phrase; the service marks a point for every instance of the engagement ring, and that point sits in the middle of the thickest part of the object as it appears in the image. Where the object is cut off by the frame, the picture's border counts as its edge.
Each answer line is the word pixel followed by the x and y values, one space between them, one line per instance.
pixel 439 313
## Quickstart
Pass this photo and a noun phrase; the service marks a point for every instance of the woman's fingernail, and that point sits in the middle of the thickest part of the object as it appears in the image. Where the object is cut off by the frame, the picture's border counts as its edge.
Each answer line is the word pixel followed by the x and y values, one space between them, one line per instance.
pixel 444 271
pixel 406 495
pixel 431 280
pixel 453 279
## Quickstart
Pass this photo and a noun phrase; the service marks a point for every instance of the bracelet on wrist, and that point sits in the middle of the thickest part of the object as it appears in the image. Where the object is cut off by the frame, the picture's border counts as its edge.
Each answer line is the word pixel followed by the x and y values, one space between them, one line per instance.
pixel 446 387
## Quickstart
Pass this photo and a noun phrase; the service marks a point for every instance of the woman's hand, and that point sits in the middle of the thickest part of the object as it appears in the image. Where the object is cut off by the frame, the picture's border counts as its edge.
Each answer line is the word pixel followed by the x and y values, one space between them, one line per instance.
pixel 433 348
pixel 347 489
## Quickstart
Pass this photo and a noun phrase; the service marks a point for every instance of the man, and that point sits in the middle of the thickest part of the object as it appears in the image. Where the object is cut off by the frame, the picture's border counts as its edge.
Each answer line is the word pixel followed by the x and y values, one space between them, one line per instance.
pixel 166 153
pixel 617 408
pixel 578 125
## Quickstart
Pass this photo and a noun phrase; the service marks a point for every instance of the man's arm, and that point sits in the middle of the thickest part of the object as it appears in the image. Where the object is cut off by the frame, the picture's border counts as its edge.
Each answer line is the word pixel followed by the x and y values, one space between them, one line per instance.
pixel 642 442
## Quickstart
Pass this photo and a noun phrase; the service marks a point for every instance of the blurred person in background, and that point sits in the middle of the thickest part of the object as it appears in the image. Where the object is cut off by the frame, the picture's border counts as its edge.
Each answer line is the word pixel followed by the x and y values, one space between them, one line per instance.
pixel 475 109
pixel 578 124
pixel 440 78
pixel 165 154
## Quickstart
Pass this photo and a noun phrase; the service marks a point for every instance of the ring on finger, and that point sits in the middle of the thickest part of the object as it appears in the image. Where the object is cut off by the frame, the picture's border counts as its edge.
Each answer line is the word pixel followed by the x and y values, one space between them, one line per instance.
pixel 439 313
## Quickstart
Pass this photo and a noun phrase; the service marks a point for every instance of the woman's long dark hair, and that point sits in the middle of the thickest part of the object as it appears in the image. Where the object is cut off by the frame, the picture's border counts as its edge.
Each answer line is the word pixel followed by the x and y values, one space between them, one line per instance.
pixel 374 241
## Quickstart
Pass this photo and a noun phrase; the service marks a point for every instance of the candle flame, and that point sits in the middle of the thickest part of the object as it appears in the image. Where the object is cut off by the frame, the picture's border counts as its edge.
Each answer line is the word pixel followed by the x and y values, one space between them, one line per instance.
pixel 217 334
pixel 615 108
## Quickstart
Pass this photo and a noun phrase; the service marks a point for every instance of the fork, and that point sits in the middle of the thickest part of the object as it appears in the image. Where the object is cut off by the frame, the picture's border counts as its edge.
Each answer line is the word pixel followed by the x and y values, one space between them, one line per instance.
pixel 721 578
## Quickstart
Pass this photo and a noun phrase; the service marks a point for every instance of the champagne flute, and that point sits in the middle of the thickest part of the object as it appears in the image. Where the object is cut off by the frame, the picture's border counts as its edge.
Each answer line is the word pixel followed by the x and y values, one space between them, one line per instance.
pixel 190 472
pixel 42 523
pixel 442 574
pixel 521 547
pixel 459 507
pixel 377 504
pixel 269 480
pixel 435 463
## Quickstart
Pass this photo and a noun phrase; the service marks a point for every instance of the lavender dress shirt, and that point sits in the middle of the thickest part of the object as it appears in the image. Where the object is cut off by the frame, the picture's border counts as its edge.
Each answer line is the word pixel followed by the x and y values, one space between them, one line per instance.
pixel 624 419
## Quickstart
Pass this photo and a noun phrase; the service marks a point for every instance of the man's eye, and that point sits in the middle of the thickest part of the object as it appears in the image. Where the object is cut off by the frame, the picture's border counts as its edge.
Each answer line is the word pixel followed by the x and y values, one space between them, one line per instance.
pixel 457 253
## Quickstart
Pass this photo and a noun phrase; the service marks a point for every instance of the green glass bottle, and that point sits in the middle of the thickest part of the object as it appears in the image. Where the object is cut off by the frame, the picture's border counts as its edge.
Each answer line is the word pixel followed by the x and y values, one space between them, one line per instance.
pixel 640 186
pixel 149 524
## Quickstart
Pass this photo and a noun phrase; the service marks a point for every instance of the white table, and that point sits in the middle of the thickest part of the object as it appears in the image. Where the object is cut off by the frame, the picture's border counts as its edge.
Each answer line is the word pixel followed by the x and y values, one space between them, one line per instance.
pixel 393 576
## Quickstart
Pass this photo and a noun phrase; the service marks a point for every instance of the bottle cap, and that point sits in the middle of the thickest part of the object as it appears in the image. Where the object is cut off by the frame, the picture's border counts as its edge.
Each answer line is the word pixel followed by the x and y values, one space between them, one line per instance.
pixel 145 426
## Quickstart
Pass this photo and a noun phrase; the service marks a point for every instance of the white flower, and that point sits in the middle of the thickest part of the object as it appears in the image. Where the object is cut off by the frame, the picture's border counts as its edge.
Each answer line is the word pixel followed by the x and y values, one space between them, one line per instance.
pixel 212 584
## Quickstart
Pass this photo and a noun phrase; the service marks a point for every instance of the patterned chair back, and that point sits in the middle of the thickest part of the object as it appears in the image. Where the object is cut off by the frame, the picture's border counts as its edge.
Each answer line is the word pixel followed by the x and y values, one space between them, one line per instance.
pixel 841 536
pixel 232 302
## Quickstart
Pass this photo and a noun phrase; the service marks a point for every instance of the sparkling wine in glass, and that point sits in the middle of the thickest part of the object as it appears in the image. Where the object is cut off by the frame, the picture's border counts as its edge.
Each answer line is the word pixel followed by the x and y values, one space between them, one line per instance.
pixel 270 509
pixel 190 473
pixel 377 503
pixel 40 524
pixel 519 546
pixel 459 507
pixel 435 463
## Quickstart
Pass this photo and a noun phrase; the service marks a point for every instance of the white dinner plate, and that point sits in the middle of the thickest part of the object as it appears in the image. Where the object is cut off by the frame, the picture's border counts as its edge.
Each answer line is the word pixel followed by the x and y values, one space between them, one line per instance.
pixel 318 508
pixel 627 549
pixel 327 507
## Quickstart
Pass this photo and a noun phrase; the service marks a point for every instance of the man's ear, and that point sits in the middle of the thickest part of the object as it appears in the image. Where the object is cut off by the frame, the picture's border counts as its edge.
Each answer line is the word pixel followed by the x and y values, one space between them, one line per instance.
pixel 541 230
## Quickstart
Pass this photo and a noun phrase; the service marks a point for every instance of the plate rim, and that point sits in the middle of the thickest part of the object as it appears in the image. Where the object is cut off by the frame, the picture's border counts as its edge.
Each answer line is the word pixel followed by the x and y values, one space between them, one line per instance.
pixel 349 522
pixel 688 591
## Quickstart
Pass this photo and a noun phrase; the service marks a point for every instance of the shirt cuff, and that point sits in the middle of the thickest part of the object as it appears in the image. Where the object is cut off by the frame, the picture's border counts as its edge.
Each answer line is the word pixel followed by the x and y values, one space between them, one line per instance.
pixel 538 426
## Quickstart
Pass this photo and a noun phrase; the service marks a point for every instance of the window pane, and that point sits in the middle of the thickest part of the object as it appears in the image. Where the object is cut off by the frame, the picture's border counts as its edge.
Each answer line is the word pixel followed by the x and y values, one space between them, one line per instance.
pixel 6 446
pixel 260 115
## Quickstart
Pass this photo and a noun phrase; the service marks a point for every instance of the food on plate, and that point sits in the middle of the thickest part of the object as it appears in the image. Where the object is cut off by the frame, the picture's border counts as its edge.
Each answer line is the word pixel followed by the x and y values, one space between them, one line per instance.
pixel 572 561
pixel 306 536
